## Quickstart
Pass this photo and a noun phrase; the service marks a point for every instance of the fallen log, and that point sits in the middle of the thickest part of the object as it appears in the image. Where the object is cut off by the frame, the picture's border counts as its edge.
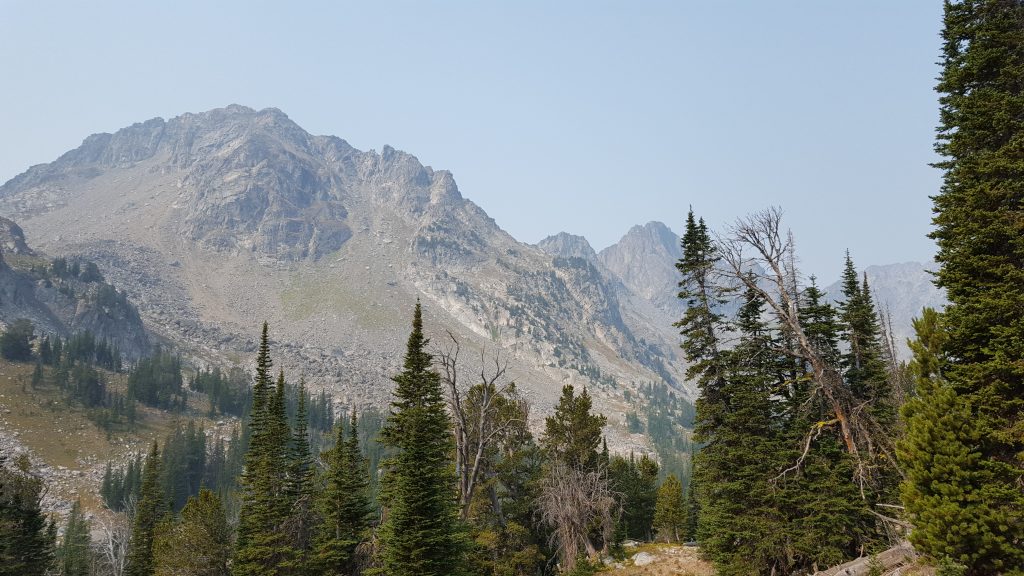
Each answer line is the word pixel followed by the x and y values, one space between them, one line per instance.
pixel 889 560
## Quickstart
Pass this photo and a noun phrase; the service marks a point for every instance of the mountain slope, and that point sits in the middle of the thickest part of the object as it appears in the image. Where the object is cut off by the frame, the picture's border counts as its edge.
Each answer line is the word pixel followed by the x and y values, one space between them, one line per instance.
pixel 219 220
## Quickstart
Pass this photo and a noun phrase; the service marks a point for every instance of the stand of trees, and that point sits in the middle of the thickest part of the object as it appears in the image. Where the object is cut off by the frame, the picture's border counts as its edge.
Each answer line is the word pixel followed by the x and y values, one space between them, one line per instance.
pixel 797 410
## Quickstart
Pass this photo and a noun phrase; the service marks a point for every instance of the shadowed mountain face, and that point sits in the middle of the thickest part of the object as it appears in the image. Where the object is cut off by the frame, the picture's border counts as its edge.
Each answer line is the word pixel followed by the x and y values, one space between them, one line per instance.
pixel 65 303
pixel 219 220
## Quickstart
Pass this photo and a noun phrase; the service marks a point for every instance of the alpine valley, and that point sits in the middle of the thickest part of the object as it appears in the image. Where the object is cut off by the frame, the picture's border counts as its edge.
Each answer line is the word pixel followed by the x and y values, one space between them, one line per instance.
pixel 211 223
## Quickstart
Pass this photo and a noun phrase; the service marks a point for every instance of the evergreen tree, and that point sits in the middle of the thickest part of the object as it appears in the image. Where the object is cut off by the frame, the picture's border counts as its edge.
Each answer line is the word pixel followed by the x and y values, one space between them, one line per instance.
pixel 26 539
pixel 635 482
pixel 865 370
pixel 150 510
pixel 670 517
pixel 701 322
pixel 343 505
pixel 692 508
pixel 421 534
pixel 199 544
pixel 945 475
pixel 16 341
pixel 262 548
pixel 301 471
pixel 572 434
pixel 967 423
pixel 740 527
pixel 74 556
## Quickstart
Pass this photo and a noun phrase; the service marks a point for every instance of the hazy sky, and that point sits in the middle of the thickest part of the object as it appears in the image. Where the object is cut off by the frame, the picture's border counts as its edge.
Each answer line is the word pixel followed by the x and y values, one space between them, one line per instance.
pixel 587 117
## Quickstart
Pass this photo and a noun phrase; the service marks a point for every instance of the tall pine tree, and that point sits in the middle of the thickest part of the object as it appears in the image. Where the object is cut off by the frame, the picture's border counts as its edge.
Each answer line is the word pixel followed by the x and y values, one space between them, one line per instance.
pixel 421 534
pixel 151 509
pixel 262 547
pixel 979 229
pixel 343 505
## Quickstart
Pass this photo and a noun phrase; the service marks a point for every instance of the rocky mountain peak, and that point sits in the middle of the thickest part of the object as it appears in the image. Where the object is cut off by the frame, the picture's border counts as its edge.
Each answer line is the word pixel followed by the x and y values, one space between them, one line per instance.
pixel 644 260
pixel 568 245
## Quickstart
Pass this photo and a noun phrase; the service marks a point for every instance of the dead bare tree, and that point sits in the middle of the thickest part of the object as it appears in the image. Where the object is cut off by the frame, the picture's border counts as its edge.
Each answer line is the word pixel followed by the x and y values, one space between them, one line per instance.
pixel 573 501
pixel 758 242
pixel 482 413
pixel 114 535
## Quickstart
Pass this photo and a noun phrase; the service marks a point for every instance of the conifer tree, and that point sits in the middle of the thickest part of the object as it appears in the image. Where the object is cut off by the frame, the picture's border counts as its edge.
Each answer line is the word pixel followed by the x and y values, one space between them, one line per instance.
pixel 150 510
pixel 865 370
pixel 572 434
pixel 343 505
pixel 26 538
pixel 421 534
pixel 701 322
pixel 301 470
pixel 261 546
pixel 670 515
pixel 739 521
pixel 199 544
pixel 74 557
pixel 980 234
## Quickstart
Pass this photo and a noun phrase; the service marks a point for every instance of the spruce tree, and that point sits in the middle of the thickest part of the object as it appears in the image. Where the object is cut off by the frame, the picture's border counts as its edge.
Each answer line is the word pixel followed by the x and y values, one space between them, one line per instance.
pixel 701 322
pixel 343 505
pixel 670 516
pixel 74 556
pixel 739 524
pixel 261 545
pixel 421 534
pixel 26 538
pixel 151 508
pixel 572 434
pixel 865 370
pixel 980 234
pixel 199 544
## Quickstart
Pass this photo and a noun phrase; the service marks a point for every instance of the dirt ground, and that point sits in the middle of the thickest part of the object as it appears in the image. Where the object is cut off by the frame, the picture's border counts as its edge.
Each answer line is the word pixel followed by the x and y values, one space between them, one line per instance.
pixel 669 560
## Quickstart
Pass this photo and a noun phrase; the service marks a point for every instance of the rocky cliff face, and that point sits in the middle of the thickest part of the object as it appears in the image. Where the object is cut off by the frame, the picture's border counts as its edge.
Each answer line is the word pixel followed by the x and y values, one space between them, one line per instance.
pixel 644 260
pixel 64 304
pixel 216 221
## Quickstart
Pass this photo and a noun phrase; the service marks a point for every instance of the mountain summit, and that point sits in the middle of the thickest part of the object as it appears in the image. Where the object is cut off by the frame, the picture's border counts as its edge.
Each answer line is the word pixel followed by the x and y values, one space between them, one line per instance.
pixel 216 221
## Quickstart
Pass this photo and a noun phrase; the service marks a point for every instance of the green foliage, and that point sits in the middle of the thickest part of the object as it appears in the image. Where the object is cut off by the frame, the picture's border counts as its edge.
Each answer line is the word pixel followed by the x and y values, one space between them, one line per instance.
pixel 262 546
pixel 967 422
pixel 16 341
pixel 74 555
pixel 26 541
pixel 228 393
pixel 156 381
pixel 343 505
pixel 670 511
pixel 151 509
pixel 635 483
pixel 199 544
pixel 947 567
pixel 572 434
pixel 767 497
pixel 183 464
pixel 121 485
pixel 421 534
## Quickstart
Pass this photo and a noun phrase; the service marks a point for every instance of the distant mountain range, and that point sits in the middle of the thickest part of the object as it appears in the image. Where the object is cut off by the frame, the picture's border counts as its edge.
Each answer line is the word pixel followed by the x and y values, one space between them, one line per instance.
pixel 214 222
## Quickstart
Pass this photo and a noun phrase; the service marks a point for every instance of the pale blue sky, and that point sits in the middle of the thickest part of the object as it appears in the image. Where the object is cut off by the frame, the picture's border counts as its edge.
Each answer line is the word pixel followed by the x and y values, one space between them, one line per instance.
pixel 587 117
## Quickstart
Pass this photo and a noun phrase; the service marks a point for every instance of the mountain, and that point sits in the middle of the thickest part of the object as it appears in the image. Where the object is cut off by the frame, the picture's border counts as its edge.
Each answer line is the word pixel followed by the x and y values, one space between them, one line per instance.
pixel 64 302
pixel 215 221
pixel 568 245
pixel 645 261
